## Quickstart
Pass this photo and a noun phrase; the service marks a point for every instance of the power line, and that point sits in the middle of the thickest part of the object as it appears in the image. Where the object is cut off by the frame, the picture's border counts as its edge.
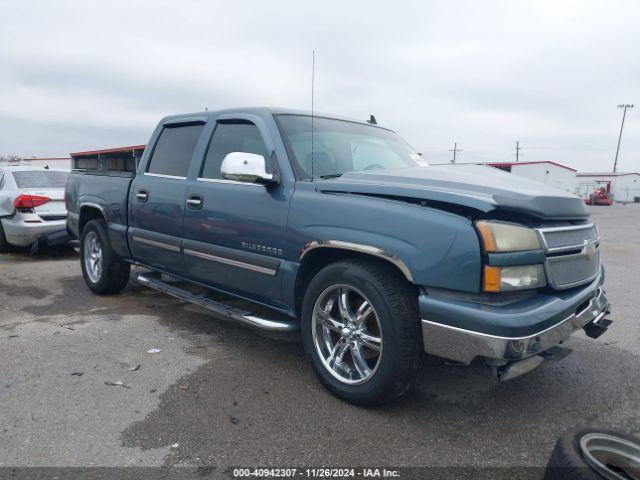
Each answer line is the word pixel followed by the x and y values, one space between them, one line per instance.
pixel 624 114
pixel 478 155
pixel 455 150
pixel 517 154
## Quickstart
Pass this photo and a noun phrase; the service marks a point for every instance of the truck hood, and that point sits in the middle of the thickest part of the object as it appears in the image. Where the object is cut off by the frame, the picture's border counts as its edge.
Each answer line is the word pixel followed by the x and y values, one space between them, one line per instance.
pixel 474 186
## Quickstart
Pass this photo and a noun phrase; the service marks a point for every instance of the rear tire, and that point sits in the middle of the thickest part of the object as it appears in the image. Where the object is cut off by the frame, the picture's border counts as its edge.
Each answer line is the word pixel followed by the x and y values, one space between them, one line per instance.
pixel 103 270
pixel 4 245
pixel 364 356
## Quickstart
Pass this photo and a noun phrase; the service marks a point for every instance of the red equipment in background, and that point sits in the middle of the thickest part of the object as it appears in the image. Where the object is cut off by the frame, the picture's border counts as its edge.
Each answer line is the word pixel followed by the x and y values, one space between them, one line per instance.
pixel 601 195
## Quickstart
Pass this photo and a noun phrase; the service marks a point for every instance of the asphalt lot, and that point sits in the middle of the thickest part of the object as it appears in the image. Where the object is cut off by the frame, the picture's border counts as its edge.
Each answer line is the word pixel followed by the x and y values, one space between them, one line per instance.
pixel 223 394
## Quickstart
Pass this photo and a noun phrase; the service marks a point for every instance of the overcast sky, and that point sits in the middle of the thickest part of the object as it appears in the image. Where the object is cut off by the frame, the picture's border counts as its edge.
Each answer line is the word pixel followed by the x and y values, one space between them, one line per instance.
pixel 79 75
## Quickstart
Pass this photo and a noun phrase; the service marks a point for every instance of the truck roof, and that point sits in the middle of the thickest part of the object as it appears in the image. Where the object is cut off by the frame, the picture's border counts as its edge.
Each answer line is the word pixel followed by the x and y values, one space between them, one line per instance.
pixel 266 112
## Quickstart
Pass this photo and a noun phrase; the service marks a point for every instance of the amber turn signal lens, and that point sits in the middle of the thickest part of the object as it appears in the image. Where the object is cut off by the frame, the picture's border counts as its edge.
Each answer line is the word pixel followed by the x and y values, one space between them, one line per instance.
pixel 488 240
pixel 491 279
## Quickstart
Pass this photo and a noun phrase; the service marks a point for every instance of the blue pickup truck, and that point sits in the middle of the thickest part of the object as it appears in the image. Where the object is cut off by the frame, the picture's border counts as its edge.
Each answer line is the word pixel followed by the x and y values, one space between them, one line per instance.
pixel 338 228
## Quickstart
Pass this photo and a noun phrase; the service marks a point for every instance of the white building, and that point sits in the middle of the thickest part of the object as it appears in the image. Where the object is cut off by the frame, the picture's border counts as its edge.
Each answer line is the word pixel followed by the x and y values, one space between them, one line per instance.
pixel 51 162
pixel 551 173
pixel 625 187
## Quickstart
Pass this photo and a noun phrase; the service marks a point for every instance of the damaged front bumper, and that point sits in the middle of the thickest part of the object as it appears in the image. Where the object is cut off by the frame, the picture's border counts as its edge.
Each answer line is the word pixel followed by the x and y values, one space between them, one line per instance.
pixel 511 333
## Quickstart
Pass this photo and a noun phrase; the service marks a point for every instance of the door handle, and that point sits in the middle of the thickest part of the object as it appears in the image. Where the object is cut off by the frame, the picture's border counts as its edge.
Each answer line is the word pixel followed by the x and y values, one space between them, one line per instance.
pixel 142 195
pixel 195 202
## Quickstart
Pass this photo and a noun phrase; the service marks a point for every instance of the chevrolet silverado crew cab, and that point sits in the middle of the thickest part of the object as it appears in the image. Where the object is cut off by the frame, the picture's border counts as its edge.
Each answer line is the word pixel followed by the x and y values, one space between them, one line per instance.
pixel 338 228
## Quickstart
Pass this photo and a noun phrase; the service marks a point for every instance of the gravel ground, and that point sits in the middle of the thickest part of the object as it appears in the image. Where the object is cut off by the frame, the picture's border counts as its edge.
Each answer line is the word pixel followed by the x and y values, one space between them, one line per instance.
pixel 221 394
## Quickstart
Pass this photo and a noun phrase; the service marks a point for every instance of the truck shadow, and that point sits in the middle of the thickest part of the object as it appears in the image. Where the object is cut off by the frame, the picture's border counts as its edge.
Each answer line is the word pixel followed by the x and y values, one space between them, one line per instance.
pixel 257 399
pixel 25 254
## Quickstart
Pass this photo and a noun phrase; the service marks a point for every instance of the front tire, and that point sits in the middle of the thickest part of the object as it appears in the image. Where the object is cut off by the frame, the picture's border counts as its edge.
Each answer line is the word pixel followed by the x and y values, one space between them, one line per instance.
pixel 361 331
pixel 103 270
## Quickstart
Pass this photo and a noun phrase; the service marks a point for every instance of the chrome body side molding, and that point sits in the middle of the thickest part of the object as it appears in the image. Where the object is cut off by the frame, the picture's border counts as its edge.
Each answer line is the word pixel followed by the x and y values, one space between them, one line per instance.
pixel 357 247
pixel 154 243
pixel 229 261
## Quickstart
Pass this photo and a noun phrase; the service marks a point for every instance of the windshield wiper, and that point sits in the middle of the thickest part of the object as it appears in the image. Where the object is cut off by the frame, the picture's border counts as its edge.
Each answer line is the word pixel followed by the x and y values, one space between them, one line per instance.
pixel 333 175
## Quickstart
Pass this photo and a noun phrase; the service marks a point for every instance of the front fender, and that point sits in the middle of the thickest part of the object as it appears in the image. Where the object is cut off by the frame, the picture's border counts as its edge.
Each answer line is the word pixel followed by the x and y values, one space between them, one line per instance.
pixel 438 248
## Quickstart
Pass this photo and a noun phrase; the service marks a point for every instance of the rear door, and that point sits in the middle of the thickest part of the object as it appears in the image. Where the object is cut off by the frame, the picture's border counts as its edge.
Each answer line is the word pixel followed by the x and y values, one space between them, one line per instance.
pixel 235 231
pixel 158 197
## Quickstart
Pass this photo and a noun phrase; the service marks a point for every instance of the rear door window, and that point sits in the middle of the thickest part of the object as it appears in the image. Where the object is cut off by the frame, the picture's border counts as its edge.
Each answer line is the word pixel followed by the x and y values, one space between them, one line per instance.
pixel 40 179
pixel 236 136
pixel 174 149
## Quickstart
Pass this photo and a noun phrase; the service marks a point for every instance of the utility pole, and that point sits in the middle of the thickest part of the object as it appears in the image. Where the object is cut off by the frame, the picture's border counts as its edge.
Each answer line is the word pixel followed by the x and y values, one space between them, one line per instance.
pixel 517 154
pixel 455 150
pixel 624 107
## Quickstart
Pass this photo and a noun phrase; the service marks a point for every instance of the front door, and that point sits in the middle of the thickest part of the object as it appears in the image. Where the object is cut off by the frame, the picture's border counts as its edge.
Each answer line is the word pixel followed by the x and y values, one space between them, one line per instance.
pixel 234 231
pixel 158 199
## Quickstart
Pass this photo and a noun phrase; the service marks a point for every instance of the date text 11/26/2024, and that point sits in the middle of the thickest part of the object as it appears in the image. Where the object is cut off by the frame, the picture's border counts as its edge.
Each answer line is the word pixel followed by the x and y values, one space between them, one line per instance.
pixel 315 473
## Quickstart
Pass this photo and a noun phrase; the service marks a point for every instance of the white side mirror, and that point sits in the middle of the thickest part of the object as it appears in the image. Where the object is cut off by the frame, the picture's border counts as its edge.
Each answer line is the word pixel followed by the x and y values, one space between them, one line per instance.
pixel 245 167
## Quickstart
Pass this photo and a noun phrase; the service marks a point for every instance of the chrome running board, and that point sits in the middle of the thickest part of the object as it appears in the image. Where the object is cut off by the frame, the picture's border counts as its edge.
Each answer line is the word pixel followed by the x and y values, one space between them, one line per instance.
pixel 243 316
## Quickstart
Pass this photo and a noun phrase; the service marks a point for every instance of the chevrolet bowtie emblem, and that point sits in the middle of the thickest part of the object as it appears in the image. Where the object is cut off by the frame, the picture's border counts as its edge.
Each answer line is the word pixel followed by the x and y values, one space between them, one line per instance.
pixel 589 250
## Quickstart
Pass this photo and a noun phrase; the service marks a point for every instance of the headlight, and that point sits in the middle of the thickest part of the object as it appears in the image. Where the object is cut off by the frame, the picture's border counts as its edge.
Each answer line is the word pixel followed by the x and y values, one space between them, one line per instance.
pixel 505 237
pixel 499 237
pixel 504 279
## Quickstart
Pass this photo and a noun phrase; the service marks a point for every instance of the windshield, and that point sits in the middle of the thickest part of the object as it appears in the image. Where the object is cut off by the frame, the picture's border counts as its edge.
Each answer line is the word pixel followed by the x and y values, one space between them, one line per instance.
pixel 340 146
pixel 40 179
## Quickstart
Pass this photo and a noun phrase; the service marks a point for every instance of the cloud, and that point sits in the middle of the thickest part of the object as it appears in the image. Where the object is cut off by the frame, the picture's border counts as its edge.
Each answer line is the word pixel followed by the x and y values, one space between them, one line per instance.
pixel 80 75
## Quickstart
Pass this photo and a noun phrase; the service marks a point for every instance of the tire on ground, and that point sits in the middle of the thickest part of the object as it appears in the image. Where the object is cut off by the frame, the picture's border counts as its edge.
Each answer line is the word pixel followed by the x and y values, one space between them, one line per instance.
pixel 115 272
pixel 567 461
pixel 4 245
pixel 395 302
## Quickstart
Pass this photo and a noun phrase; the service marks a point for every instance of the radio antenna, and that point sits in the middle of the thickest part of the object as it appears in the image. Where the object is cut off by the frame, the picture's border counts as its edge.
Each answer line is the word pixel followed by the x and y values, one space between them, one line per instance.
pixel 313 75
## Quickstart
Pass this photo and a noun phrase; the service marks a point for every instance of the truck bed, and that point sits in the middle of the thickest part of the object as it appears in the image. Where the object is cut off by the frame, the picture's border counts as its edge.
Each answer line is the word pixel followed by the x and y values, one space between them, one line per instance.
pixel 106 192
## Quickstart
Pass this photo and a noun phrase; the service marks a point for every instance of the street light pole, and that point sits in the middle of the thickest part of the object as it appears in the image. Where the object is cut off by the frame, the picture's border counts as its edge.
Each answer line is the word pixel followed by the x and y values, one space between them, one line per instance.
pixel 624 114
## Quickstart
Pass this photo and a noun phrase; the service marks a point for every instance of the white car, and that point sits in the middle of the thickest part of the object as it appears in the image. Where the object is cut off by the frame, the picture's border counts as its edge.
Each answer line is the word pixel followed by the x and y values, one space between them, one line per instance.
pixel 32 205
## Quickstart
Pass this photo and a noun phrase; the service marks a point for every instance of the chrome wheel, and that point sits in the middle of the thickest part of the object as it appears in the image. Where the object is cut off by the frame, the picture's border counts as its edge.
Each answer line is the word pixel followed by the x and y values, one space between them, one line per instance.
pixel 611 456
pixel 93 256
pixel 347 334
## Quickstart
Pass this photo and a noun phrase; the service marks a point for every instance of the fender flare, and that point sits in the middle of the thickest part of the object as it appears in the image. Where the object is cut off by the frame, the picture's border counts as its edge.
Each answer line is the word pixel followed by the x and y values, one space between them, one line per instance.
pixel 360 248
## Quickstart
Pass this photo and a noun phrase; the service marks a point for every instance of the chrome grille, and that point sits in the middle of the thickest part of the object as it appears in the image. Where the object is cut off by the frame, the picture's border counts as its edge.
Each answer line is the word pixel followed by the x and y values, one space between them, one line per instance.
pixel 570 270
pixel 573 256
pixel 564 238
